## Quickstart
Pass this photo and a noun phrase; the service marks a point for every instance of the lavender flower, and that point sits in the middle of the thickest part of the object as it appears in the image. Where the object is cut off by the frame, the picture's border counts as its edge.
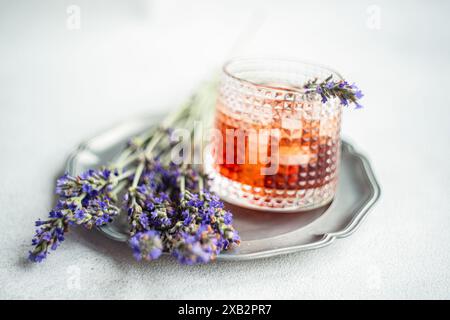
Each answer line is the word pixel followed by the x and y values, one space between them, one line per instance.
pixel 204 229
pixel 49 235
pixel 342 90
pixel 84 200
pixel 221 221
pixel 148 209
pixel 159 177
pixel 146 245
pixel 198 245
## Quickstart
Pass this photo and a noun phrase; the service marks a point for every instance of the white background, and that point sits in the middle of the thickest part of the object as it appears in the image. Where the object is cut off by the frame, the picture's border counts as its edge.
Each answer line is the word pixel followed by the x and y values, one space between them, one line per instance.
pixel 59 86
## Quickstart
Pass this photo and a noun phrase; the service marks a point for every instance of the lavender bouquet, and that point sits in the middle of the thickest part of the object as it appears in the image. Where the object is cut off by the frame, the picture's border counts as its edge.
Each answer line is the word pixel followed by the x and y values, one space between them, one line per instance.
pixel 169 207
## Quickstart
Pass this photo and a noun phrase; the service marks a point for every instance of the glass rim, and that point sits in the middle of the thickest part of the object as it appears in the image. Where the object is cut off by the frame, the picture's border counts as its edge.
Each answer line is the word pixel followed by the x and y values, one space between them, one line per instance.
pixel 230 62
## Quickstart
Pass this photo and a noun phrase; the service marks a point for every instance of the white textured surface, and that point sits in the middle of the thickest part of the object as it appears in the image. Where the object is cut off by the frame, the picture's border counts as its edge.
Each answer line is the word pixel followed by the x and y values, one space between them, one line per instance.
pixel 59 87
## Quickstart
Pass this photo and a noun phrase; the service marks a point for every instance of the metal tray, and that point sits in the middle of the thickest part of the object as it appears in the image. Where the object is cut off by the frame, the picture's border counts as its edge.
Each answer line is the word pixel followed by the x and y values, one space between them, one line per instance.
pixel 263 234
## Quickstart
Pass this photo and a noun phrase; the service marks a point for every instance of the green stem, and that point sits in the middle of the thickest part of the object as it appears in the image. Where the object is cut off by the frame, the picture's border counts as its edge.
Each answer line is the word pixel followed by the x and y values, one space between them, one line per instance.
pixel 137 175
pixel 193 109
pixel 131 151
pixel 123 157
pixel 125 175
pixel 153 142
pixel 200 187
pixel 119 187
pixel 179 114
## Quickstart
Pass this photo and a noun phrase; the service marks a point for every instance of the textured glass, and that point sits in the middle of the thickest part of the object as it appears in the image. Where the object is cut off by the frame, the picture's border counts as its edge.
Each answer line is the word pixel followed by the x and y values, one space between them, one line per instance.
pixel 259 95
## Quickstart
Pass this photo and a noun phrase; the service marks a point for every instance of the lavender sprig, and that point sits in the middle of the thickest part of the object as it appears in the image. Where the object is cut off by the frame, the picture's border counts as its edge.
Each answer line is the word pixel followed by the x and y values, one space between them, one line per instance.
pixel 147 209
pixel 327 89
pixel 84 200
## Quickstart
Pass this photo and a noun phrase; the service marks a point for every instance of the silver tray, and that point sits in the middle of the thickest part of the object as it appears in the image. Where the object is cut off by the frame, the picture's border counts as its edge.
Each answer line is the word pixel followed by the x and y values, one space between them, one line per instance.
pixel 263 234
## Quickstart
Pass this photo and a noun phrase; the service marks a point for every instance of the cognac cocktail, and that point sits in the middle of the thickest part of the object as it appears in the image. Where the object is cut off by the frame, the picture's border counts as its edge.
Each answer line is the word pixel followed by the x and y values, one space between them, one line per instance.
pixel 278 147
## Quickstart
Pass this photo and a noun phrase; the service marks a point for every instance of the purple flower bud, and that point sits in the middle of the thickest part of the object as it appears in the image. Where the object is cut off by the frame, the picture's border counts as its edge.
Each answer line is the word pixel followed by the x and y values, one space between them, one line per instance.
pixel 359 94
pixel 146 245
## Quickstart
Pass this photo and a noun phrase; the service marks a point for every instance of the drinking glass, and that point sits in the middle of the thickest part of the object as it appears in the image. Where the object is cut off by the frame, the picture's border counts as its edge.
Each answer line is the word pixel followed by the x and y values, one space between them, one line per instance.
pixel 275 146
